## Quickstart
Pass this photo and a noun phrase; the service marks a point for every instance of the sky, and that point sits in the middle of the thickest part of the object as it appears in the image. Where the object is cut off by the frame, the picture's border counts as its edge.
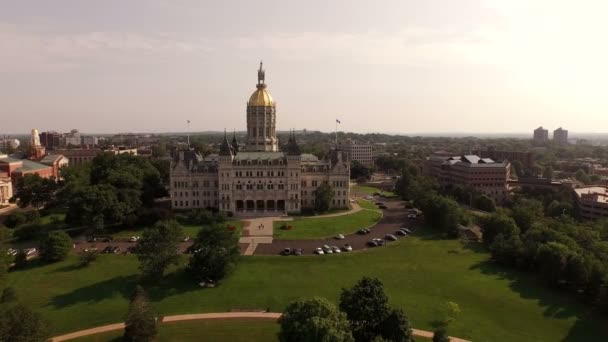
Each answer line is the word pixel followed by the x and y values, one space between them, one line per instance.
pixel 391 66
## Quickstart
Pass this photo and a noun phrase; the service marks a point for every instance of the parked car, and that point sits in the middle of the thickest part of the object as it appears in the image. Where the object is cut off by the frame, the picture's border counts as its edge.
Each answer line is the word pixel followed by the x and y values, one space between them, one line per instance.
pixel 347 248
pixel 401 233
pixel 379 241
pixel 361 232
pixel 186 238
pixel 30 251
pixel 406 230
pixel 115 249
pixel 382 206
pixel 390 237
pixel 91 249
pixel 132 249
pixel 372 243
pixel 411 216
pixel 134 238
pixel 11 251
pixel 286 251
pixel 107 250
pixel 297 251
pixel 319 251
pixel 327 249
pixel 335 249
pixel 340 237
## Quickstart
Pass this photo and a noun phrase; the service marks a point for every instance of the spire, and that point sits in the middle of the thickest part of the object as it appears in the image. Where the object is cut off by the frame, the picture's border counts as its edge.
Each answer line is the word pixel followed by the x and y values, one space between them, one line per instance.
pixel 293 149
pixel 235 143
pixel 225 148
pixel 261 76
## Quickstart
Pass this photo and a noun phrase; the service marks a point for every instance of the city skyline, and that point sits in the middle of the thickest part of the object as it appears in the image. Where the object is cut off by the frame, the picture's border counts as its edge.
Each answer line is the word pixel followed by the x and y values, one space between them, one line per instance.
pixel 473 67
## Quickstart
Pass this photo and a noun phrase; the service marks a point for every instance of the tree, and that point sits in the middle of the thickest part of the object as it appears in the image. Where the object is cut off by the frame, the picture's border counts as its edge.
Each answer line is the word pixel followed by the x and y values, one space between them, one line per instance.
pixel 486 203
pixel 215 253
pixel 323 197
pixel 20 259
pixel 443 214
pixel 452 312
pixel 526 212
pixel 140 325
pixel 498 223
pixel 582 176
pixel 552 259
pixel 31 189
pixel 359 171
pixel 15 219
pixel 158 248
pixel 86 258
pixel 56 246
pixel 396 327
pixel 558 209
pixel 312 320
pixel 20 324
pixel 441 335
pixel 548 172
pixel 366 307
pixel 507 251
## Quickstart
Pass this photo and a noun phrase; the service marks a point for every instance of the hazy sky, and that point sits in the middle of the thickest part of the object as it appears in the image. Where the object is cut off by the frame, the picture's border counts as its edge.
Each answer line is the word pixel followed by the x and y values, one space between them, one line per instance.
pixel 379 66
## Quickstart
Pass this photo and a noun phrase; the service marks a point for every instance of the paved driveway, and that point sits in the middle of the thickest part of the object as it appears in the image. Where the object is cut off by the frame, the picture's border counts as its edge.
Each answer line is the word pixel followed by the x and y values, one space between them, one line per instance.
pixel 393 218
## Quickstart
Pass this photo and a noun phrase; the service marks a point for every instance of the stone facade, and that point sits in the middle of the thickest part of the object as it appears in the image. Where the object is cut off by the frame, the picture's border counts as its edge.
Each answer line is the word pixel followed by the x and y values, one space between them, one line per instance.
pixel 260 178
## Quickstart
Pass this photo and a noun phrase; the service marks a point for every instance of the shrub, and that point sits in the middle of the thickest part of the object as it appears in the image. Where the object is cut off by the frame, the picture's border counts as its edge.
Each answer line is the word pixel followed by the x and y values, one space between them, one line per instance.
pixel 56 246
pixel 15 220
pixel 28 232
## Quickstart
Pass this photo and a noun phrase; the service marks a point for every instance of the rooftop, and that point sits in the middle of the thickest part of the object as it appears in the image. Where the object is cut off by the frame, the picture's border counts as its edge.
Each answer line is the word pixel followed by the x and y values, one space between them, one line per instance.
pixel 594 193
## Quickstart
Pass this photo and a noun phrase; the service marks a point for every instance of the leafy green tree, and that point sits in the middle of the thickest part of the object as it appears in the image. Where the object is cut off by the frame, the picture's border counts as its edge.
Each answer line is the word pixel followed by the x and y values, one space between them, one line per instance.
pixel 498 223
pixel 20 259
pixel 366 307
pixel 553 259
pixel 509 250
pixel 15 219
pixel 526 212
pixel 548 172
pixel 86 258
pixel 31 189
pixel 140 325
pixel 441 335
pixel 582 177
pixel 323 197
pixel 158 248
pixel 396 327
pixel 215 253
pixel 452 312
pixel 443 214
pixel 56 246
pixel 18 323
pixel 359 171
pixel 313 320
pixel 558 209
pixel 486 203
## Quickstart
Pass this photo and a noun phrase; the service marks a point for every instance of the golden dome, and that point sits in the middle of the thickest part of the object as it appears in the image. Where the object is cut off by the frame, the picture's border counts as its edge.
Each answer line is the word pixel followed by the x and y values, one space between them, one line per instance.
pixel 261 98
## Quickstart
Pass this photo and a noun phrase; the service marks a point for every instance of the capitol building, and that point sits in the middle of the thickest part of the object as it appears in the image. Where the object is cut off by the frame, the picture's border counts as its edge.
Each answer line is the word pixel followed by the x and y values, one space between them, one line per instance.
pixel 258 177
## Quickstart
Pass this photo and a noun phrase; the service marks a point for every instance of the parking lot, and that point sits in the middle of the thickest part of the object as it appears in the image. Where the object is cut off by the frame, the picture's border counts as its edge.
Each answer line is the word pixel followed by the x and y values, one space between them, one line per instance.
pixel 394 217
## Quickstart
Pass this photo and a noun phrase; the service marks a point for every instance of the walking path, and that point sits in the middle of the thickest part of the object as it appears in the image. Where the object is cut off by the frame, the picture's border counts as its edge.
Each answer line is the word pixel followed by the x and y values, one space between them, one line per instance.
pixel 215 315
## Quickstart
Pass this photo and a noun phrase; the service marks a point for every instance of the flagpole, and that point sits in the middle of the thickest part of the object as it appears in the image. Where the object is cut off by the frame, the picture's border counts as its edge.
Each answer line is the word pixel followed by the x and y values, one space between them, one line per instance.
pixel 336 134
pixel 188 130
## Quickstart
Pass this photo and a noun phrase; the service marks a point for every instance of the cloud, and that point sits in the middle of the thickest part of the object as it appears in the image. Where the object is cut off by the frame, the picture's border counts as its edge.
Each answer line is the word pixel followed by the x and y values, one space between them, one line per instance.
pixel 39 50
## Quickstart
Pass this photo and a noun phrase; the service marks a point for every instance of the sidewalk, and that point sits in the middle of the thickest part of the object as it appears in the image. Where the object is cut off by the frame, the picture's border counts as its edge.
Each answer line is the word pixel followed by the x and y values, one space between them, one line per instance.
pixel 213 315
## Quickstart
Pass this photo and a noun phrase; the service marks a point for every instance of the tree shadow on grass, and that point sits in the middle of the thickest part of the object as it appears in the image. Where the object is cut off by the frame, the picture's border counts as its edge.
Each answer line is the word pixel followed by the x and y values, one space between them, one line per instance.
pixel 97 292
pixel 557 304
pixel 172 284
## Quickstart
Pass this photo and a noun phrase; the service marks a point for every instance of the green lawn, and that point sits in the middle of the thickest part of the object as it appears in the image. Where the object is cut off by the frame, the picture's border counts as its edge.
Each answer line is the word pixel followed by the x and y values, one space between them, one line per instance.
pixel 369 190
pixel 420 274
pixel 315 228
pixel 365 204
pixel 234 330
pixel 189 230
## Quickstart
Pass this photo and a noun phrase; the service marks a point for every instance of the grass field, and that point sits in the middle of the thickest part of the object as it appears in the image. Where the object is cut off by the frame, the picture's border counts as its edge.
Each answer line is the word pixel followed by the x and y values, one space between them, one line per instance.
pixel 315 228
pixel 189 230
pixel 420 274
pixel 365 204
pixel 234 330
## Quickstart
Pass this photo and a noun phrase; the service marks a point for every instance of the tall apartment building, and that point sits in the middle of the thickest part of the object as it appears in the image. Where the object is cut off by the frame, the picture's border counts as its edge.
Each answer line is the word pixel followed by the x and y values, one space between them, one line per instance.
pixel 560 136
pixel 359 152
pixel 483 174
pixel 592 202
pixel 50 140
pixel 541 135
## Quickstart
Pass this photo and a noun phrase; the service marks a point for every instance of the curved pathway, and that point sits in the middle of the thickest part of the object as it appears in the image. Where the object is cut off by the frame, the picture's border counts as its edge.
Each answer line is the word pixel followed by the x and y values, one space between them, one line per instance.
pixel 216 315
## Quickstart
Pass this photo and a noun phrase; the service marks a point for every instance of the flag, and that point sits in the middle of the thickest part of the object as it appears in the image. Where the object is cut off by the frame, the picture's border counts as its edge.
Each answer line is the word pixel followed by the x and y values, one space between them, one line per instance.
pixel 338 121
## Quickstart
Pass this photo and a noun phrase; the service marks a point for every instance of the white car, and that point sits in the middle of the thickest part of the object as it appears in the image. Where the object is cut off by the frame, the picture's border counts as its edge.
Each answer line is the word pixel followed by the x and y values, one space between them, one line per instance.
pixel 327 249
pixel 347 248
pixel 186 239
pixel 340 237
pixel 319 251
pixel 134 238
pixel 11 251
pixel 335 249
pixel 30 251
pixel 411 216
